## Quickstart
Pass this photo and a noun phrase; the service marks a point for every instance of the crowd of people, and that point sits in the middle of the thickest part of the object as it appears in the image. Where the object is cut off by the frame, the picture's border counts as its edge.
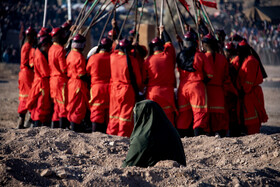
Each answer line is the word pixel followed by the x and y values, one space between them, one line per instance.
pixel 15 15
pixel 263 36
pixel 218 92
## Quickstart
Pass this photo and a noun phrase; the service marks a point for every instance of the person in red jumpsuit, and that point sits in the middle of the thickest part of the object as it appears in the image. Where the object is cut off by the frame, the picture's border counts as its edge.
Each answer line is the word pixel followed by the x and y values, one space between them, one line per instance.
pixel 159 74
pixel 195 71
pixel 39 101
pixel 251 100
pixel 231 99
pixel 26 74
pixel 58 78
pixel 98 68
pixel 217 87
pixel 77 87
pixel 123 95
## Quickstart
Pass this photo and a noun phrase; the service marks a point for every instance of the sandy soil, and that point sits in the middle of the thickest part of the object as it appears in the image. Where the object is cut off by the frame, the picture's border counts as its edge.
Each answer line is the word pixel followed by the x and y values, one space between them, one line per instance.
pixel 57 157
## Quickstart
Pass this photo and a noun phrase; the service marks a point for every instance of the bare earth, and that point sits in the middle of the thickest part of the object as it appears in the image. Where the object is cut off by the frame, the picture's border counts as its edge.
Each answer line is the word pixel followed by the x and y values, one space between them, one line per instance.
pixel 47 157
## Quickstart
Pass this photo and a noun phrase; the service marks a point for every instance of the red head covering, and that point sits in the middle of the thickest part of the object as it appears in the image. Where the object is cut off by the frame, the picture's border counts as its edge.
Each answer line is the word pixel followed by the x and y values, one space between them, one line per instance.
pixel 189 36
pixel 55 31
pixel 124 43
pixel 243 43
pixel 229 46
pixel 79 42
pixel 112 33
pixel 106 41
pixel 30 31
pixel 43 32
pixel 66 25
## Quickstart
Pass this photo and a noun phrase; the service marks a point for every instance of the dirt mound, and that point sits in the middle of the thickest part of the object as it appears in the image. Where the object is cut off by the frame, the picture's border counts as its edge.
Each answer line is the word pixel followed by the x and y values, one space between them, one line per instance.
pixel 43 157
pixel 57 157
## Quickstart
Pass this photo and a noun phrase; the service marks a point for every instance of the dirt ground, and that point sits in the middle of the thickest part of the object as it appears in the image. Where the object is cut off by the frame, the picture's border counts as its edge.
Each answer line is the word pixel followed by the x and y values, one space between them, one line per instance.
pixel 58 157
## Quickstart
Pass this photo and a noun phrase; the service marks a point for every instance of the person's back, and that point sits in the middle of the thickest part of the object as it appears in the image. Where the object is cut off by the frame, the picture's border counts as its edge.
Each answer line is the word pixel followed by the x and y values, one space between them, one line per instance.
pixel 202 69
pixel 195 70
pixel 159 74
pixel 119 69
pixel 58 79
pixel 160 67
pixel 153 138
pixel 77 88
pixel 98 67
pixel 251 99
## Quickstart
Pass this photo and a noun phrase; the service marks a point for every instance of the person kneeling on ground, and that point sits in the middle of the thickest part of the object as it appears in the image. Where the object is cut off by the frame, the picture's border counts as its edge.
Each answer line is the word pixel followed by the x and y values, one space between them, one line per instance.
pixel 153 138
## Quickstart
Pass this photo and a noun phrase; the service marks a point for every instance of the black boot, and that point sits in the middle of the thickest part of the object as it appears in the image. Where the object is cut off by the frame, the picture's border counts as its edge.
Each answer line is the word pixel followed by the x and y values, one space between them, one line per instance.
pixel 189 132
pixel 99 127
pixel 221 133
pixel 75 127
pixel 63 123
pixel 37 124
pixel 55 124
pixel 198 131
pixel 46 124
pixel 21 121
pixel 182 132
pixel 28 123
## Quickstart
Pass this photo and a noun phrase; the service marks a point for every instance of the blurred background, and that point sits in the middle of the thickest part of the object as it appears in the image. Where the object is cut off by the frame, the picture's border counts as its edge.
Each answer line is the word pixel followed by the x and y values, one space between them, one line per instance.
pixel 256 20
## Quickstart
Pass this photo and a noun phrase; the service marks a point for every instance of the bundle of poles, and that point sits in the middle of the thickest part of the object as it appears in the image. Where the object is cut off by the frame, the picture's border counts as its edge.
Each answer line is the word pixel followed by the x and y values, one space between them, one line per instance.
pixel 87 12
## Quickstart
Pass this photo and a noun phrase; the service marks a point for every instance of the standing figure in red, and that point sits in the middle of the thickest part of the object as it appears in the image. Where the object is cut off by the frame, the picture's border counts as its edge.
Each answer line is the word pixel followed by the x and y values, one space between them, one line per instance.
pixel 251 101
pixel 217 87
pixel 39 101
pixel 98 68
pixel 123 95
pixel 26 74
pixel 77 87
pixel 195 71
pixel 159 74
pixel 58 78
pixel 231 99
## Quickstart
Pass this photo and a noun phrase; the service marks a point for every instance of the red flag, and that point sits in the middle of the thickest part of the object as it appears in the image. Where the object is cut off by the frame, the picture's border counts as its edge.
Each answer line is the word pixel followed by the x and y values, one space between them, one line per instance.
pixel 209 3
pixel 185 4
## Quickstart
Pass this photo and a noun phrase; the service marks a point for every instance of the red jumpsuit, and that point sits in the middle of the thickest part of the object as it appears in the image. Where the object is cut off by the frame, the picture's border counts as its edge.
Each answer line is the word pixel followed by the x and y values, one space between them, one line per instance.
pixel 98 68
pixel 231 99
pixel 158 69
pixel 39 101
pixel 31 57
pixel 25 77
pixel 122 96
pixel 77 89
pixel 58 80
pixel 216 90
pixel 249 78
pixel 192 94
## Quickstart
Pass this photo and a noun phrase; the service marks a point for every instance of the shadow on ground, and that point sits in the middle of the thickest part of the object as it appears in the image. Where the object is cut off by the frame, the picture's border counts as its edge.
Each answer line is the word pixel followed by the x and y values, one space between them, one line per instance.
pixel 265 129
